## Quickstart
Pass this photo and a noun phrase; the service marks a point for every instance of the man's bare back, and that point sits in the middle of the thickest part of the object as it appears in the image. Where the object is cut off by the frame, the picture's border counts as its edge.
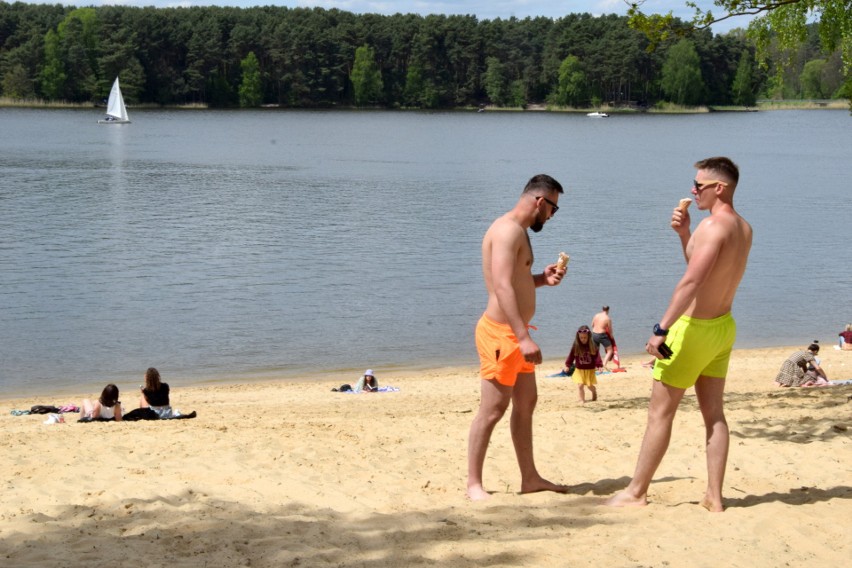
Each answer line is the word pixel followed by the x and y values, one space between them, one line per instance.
pixel 601 323
pixel 716 294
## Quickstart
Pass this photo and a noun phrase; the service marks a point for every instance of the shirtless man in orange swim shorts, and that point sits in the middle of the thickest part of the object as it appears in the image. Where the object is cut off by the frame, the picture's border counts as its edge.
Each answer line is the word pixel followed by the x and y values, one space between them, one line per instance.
pixel 507 353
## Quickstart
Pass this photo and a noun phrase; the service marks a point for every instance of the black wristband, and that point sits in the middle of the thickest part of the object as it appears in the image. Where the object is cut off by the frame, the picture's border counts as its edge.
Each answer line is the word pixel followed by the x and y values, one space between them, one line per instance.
pixel 660 331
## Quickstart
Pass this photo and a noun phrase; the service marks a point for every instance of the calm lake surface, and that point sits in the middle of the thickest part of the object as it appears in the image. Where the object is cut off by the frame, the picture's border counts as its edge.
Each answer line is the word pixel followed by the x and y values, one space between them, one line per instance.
pixel 228 246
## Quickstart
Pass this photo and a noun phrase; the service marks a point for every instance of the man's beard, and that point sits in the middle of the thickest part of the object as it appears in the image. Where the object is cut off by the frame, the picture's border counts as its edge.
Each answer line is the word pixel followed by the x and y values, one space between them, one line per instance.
pixel 538 225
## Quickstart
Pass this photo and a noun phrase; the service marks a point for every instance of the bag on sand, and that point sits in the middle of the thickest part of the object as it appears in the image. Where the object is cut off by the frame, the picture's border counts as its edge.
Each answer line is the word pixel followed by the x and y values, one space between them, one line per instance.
pixel 343 388
pixel 43 409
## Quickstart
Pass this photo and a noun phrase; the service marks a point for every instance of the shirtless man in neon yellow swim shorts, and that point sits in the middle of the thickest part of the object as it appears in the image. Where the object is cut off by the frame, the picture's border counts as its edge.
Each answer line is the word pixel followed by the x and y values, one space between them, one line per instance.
pixel 698 329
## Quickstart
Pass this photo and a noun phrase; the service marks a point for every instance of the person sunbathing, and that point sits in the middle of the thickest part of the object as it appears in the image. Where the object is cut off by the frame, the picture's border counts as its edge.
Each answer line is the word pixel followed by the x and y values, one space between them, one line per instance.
pixel 107 407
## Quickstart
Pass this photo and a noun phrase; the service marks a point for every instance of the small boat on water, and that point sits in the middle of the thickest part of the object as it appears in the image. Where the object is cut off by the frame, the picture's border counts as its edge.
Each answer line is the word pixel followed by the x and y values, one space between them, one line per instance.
pixel 597 114
pixel 116 112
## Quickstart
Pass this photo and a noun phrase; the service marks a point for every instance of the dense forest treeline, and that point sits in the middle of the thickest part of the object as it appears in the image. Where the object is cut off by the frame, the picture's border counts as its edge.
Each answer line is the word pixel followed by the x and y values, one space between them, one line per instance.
pixel 313 57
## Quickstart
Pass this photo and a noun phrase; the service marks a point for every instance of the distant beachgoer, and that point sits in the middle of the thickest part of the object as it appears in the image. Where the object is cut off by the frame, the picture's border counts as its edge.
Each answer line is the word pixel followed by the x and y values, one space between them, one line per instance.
pixel 586 358
pixel 367 382
pixel 694 338
pixel 107 407
pixel 507 353
pixel 846 338
pixel 155 395
pixel 602 334
pixel 794 371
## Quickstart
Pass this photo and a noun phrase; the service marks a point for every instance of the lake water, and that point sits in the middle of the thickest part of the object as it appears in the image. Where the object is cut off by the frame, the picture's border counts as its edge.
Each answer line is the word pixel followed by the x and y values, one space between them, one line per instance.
pixel 229 246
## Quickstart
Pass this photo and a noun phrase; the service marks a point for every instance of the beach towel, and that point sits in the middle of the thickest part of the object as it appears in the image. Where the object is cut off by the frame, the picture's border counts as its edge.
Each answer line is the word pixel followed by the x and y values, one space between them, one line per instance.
pixel 380 389
pixel 615 358
pixel 839 383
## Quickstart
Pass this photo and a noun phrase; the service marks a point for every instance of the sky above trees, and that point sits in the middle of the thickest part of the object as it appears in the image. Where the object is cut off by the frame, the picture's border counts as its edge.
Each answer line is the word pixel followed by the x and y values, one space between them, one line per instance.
pixel 482 9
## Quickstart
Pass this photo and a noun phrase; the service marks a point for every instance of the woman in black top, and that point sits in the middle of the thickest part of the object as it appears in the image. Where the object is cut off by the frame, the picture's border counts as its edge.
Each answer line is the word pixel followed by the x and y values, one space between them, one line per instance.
pixel 155 394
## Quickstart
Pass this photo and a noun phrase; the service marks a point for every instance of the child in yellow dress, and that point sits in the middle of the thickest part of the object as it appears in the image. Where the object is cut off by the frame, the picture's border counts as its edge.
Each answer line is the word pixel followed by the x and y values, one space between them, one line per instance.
pixel 586 359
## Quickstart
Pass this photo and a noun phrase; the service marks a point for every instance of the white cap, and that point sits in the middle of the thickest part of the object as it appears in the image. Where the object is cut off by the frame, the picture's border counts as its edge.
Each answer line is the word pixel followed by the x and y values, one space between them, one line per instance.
pixel 368 372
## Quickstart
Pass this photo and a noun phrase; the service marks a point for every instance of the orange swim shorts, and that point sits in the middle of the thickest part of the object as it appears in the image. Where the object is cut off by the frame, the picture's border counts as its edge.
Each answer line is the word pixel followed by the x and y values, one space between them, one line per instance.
pixel 499 353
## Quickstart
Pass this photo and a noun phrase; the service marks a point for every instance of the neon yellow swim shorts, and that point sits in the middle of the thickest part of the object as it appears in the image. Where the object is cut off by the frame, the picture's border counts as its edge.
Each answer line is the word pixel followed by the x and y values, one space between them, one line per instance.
pixel 701 347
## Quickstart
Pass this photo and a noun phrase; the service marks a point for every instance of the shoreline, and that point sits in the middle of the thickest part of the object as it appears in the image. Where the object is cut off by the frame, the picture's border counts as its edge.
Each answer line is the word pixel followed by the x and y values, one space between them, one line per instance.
pixel 329 377
pixel 665 108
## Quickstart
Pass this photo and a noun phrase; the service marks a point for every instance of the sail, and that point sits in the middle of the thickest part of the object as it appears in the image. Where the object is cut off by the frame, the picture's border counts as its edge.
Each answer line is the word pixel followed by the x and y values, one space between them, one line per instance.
pixel 115 106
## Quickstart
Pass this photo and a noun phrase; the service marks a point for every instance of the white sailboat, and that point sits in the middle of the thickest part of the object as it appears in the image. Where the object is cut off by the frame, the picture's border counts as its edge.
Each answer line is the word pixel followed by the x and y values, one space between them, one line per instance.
pixel 116 112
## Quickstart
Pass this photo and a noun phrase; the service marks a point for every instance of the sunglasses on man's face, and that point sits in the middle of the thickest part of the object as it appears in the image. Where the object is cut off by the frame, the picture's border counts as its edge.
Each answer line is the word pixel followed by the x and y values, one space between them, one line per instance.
pixel 700 186
pixel 554 206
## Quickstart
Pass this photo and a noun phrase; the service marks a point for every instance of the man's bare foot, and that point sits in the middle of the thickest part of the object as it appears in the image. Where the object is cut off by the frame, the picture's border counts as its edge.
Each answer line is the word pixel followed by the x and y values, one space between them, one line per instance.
pixel 542 484
pixel 712 506
pixel 624 499
pixel 477 493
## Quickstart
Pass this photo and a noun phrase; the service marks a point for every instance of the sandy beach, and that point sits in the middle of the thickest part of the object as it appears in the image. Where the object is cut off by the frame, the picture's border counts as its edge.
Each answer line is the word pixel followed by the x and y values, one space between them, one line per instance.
pixel 292 474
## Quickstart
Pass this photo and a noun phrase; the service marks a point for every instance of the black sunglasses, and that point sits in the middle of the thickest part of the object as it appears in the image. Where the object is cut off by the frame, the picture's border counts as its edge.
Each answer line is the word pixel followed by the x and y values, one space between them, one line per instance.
pixel 700 186
pixel 552 204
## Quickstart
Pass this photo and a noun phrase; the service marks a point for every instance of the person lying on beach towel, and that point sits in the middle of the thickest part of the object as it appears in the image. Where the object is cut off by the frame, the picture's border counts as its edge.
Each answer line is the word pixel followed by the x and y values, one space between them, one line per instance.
pixel 107 407
pixel 367 382
pixel 349 390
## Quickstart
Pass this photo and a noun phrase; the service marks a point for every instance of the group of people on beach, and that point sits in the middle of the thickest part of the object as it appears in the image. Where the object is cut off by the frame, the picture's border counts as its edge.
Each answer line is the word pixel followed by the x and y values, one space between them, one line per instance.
pixel 692 341
pixel 153 400
pixel 803 368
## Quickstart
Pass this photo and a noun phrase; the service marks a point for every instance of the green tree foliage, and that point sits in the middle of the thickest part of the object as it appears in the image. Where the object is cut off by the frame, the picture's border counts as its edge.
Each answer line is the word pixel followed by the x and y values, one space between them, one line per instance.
pixel 307 56
pixel 811 80
pixel 518 93
pixel 496 82
pixel 742 90
pixel 784 22
pixel 366 77
pixel 17 83
pixel 53 74
pixel 571 90
pixel 682 82
pixel 251 92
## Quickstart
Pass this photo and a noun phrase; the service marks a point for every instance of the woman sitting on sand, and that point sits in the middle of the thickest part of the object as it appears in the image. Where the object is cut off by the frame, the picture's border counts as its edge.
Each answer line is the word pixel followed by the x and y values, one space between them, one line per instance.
pixel 107 407
pixel 155 394
pixel 794 371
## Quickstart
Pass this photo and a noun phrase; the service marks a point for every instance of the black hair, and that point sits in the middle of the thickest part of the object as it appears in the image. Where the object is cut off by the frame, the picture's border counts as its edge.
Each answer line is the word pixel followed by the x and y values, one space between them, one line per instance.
pixel 543 181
